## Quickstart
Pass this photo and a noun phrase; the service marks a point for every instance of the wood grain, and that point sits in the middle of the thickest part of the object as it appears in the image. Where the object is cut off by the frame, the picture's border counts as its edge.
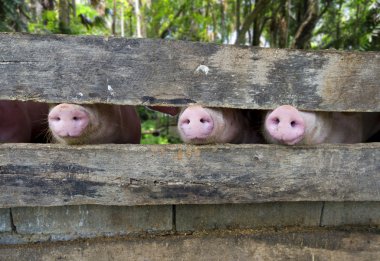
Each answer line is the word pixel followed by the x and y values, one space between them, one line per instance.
pixel 88 69
pixel 237 245
pixel 53 175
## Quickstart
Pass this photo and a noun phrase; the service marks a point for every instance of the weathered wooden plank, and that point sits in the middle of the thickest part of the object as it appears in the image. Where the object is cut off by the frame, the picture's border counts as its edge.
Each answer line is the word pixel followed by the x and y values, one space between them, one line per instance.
pixel 277 214
pixel 5 220
pixel 81 69
pixel 41 224
pixel 53 175
pixel 351 213
pixel 72 222
pixel 241 216
pixel 237 245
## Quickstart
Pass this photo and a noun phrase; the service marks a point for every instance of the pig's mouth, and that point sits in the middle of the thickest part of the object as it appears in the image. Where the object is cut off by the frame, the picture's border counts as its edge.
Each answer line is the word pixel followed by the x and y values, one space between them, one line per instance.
pixel 291 141
pixel 198 140
pixel 70 140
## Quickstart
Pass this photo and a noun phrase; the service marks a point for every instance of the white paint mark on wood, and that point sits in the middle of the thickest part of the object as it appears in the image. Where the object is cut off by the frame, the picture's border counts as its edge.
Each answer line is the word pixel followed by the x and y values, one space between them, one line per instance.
pixel 202 68
pixel 111 91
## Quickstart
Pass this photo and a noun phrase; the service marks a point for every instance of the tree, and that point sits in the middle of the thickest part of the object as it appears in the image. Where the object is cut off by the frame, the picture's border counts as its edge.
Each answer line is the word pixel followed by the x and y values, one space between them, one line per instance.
pixel 352 24
pixel 64 16
pixel 259 8
pixel 13 15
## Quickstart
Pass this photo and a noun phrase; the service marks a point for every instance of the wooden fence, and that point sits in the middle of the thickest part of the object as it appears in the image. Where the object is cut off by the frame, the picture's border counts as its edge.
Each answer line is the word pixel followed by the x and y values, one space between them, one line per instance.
pixel 261 201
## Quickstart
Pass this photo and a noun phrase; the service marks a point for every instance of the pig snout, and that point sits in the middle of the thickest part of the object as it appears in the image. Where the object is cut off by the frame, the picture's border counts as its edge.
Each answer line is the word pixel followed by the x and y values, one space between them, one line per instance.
pixel 285 125
pixel 68 120
pixel 195 123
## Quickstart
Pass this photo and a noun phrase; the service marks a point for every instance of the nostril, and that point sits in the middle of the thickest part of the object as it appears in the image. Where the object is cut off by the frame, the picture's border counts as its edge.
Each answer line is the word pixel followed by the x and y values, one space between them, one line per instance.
pixel 75 118
pixel 276 120
pixel 185 122
pixel 202 120
pixel 293 123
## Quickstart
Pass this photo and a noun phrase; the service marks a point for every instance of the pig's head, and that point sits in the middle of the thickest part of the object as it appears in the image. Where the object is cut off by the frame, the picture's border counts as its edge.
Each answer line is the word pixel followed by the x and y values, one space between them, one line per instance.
pixel 201 125
pixel 287 125
pixel 83 124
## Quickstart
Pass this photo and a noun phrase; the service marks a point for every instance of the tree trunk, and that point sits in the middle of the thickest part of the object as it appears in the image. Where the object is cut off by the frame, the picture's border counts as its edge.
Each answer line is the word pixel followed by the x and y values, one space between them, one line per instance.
pixel 256 29
pixel 166 31
pixel 283 24
pixel 130 24
pixel 307 25
pixel 287 16
pixel 64 16
pixel 338 41
pixel 74 7
pixel 357 27
pixel 222 21
pixel 273 28
pixel 246 10
pixel 48 4
pixel 237 14
pixel 122 20
pixel 214 24
pixel 138 19
pixel 114 18
pixel 33 10
pixel 260 7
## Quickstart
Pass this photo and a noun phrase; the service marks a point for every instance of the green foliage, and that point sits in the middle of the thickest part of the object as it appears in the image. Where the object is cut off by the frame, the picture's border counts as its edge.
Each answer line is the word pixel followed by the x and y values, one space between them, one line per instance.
pixel 99 24
pixel 49 22
pixel 13 16
pixel 150 135
pixel 353 25
pixel 155 127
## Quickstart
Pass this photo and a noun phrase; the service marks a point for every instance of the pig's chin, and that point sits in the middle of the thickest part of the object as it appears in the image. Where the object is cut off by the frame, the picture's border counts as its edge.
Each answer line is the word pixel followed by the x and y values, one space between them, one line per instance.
pixel 198 141
pixel 74 139
pixel 71 140
pixel 292 142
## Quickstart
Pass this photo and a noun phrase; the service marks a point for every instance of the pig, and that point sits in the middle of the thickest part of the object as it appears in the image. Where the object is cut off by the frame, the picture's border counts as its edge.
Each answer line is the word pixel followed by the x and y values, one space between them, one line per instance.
pixel 204 125
pixel 287 125
pixel 75 124
pixel 23 121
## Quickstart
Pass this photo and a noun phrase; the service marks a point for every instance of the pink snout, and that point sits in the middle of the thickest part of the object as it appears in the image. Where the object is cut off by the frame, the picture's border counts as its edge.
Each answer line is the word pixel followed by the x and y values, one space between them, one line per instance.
pixel 285 125
pixel 68 120
pixel 195 123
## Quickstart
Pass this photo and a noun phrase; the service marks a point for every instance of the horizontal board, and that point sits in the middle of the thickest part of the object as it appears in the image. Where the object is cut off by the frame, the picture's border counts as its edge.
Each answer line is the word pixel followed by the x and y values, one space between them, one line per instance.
pixel 72 222
pixel 237 245
pixel 53 175
pixel 191 218
pixel 5 221
pixel 23 225
pixel 351 213
pixel 81 69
